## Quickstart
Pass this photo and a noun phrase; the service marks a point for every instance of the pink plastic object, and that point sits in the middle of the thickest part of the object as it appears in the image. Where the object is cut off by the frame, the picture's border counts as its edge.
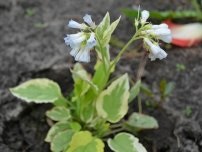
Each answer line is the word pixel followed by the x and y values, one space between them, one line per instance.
pixel 186 35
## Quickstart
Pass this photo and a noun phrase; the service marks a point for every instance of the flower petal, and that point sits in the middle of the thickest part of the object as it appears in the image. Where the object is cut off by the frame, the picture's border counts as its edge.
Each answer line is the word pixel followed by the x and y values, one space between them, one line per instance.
pixel 166 38
pixel 83 55
pixel 87 18
pixel 91 42
pixel 144 16
pixel 74 24
pixel 155 51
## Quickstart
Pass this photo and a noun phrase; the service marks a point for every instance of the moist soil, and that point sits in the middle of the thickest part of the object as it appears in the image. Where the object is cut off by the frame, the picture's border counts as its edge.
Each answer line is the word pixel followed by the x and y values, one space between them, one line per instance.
pixel 32 46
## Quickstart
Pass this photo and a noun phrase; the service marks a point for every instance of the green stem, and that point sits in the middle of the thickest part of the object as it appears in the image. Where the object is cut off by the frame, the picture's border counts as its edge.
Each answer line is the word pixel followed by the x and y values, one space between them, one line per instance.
pixel 122 51
pixel 118 125
pixel 102 54
pixel 114 131
pixel 139 104
pixel 117 58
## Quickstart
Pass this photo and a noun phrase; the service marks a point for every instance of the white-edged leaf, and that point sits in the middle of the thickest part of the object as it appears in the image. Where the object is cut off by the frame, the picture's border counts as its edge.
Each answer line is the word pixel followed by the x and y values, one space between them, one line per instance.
pixel 82 80
pixel 83 141
pixel 108 32
pixel 125 142
pixel 140 121
pixel 104 24
pixel 112 103
pixel 55 129
pixel 39 90
pixel 59 114
pixel 61 140
pixel 60 127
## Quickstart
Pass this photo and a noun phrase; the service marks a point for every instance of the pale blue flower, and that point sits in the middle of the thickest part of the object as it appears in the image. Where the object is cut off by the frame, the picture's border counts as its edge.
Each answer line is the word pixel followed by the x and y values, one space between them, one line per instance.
pixel 144 16
pixel 163 25
pixel 82 42
pixel 161 32
pixel 87 18
pixel 74 40
pixel 91 42
pixel 83 55
pixel 155 51
pixel 74 24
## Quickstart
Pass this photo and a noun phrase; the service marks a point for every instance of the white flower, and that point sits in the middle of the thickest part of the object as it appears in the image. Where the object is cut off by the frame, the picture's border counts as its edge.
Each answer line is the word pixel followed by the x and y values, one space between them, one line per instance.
pixel 74 24
pixel 87 18
pixel 165 38
pixel 155 51
pixel 83 55
pixel 91 42
pixel 82 42
pixel 74 40
pixel 163 25
pixel 144 16
pixel 161 32
pixel 79 51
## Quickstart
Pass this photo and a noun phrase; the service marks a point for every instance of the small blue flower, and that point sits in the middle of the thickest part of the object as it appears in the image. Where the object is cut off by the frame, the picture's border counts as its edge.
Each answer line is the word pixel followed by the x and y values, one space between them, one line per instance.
pixel 82 42
pixel 155 51
pixel 74 24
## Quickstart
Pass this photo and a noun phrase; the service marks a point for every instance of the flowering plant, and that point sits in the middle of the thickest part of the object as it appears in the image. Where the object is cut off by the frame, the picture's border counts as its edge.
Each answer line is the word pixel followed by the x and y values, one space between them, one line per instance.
pixel 94 111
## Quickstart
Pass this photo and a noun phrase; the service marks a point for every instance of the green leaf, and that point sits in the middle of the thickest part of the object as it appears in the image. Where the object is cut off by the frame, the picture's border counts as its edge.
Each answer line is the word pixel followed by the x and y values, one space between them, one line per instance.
pixel 61 141
pixel 59 114
pixel 146 90
pixel 166 88
pixel 75 126
pixel 82 80
pixel 39 90
pixel 125 142
pixel 169 88
pixel 139 121
pixel 112 103
pixel 100 78
pixel 104 24
pixel 108 32
pixel 134 91
pixel 162 15
pixel 83 141
pixel 60 127
pixel 55 129
pixel 87 112
pixel 85 92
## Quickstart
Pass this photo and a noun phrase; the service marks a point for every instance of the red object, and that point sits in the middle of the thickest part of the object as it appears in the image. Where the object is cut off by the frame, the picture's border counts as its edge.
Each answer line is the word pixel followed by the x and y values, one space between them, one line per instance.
pixel 186 35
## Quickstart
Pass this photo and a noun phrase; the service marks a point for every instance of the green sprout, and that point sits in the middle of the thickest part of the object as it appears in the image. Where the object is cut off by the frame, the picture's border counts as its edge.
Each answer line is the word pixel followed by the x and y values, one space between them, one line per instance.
pixel 188 111
pixel 30 12
pixel 180 67
pixel 40 25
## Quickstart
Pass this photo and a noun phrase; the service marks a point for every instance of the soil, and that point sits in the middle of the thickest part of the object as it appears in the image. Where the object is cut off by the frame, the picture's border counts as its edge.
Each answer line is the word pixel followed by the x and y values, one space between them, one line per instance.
pixel 32 46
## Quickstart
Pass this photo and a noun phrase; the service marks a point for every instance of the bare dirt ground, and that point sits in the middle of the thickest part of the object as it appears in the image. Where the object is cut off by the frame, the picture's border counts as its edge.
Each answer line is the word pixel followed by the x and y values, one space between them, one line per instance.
pixel 32 46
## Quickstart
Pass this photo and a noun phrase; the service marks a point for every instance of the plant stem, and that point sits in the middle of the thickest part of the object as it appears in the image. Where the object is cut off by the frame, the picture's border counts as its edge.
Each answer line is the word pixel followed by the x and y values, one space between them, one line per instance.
pixel 140 73
pixel 139 104
pixel 118 125
pixel 117 58
pixel 114 131
pixel 123 50
pixel 142 65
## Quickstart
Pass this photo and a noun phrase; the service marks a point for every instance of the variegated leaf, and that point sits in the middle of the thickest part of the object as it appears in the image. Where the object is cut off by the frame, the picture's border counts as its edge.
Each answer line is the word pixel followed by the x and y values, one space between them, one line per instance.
pixel 112 103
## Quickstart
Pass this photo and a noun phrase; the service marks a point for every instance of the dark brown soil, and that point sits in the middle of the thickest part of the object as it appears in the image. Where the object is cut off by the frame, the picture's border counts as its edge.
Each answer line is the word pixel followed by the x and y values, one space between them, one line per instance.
pixel 32 46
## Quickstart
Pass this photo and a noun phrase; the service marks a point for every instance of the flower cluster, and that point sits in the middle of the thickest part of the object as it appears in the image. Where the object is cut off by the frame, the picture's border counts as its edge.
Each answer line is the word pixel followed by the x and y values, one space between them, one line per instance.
pixel 82 42
pixel 152 33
